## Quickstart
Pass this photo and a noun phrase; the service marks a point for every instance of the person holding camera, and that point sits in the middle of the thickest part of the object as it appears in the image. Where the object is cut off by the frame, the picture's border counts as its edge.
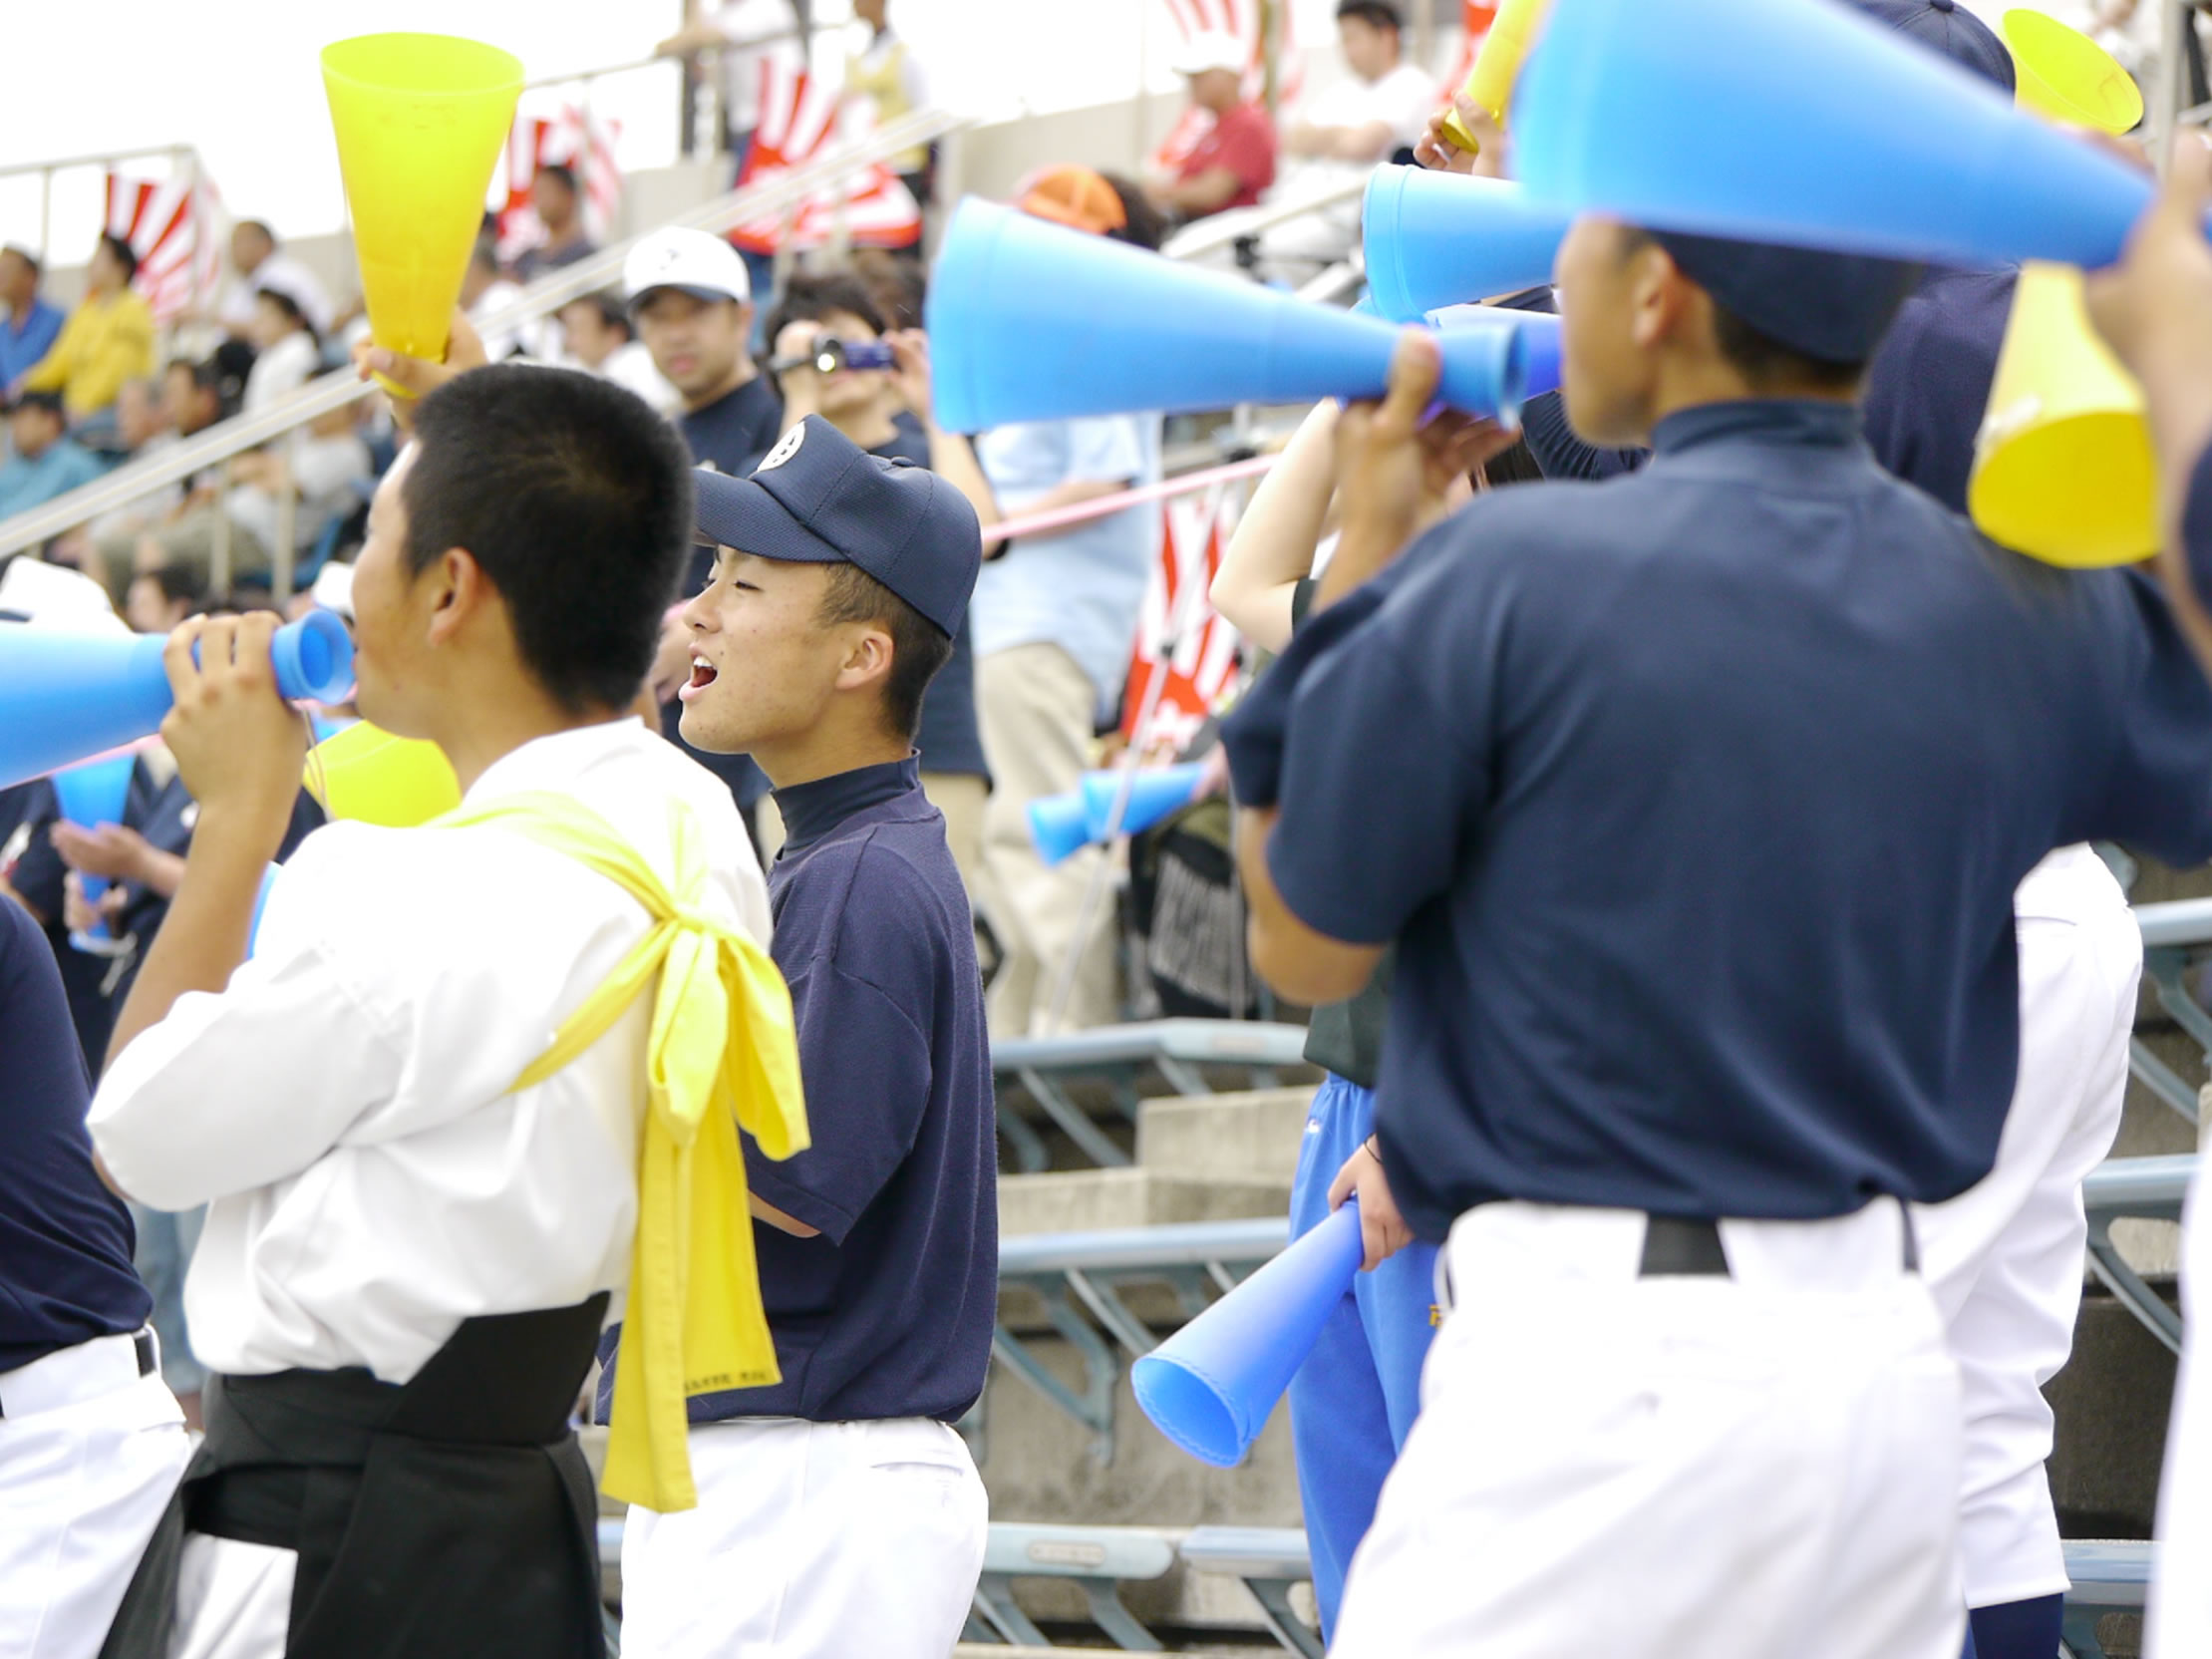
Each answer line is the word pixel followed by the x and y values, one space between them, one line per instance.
pixel 834 356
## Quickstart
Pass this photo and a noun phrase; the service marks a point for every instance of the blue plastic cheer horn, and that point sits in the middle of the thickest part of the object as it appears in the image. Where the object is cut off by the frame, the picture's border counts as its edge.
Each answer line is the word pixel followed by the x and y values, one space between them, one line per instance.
pixel 1210 1387
pixel 1849 136
pixel 1434 239
pixel 1154 792
pixel 64 696
pixel 90 795
pixel 1539 342
pixel 1032 321
pixel 1058 825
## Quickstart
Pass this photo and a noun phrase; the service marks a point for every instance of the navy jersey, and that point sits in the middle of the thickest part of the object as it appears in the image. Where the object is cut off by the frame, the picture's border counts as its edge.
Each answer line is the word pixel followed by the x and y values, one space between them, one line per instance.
pixel 1696 802
pixel 65 1239
pixel 889 1311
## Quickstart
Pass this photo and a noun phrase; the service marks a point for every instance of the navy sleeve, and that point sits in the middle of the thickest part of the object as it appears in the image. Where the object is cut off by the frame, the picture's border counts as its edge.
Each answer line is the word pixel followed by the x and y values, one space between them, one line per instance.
pixel 38 874
pixel 2158 792
pixel 1255 732
pixel 1562 454
pixel 1387 767
pixel 2196 528
pixel 859 999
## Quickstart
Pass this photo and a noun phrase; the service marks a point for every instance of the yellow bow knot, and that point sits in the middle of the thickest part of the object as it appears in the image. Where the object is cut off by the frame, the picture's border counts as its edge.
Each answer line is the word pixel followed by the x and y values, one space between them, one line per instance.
pixel 721 1054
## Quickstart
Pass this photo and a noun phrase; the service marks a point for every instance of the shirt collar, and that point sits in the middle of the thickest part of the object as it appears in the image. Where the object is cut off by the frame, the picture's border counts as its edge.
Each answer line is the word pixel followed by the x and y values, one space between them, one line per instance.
pixel 812 811
pixel 1811 423
pixel 552 762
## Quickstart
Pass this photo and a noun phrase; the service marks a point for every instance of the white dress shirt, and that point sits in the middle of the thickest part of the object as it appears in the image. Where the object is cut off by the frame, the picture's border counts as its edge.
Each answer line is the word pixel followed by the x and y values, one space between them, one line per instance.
pixel 342 1106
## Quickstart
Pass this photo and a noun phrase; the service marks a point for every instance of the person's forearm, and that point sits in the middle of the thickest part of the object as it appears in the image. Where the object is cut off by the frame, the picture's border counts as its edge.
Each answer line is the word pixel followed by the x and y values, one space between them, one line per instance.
pixel 1209 192
pixel 203 939
pixel 953 458
pixel 1362 552
pixel 159 873
pixel 1272 548
pixel 1371 142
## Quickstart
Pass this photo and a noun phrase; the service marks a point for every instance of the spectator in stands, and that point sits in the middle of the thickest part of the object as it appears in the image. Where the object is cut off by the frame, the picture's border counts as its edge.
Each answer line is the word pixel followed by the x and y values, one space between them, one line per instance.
pixel 895 282
pixel 160 599
pixel 743 33
pixel 560 208
pixel 195 396
pixel 1235 160
pixel 1054 619
pixel 888 414
pixel 32 326
pixel 107 339
pixel 485 289
pixel 840 581
pixel 1375 112
pixel 47 461
pixel 260 264
pixel 598 337
pixel 287 354
pixel 142 429
pixel 325 469
pixel 887 79
pixel 693 304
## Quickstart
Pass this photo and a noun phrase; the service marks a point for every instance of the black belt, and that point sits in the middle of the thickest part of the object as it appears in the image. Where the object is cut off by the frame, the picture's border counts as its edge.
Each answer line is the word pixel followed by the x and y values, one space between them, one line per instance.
pixel 1689 1246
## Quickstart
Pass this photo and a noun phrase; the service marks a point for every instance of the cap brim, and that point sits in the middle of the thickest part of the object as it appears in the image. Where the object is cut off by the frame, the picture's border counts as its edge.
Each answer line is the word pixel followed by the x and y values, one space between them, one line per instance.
pixel 706 295
pixel 738 514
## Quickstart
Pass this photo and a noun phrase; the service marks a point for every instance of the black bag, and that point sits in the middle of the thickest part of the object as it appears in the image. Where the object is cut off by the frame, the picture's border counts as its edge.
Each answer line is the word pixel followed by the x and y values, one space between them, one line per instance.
pixel 1188 914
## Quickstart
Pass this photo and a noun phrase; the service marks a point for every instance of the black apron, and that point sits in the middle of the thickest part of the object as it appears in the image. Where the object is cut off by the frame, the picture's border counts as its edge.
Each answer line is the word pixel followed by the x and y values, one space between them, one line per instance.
pixel 454 1517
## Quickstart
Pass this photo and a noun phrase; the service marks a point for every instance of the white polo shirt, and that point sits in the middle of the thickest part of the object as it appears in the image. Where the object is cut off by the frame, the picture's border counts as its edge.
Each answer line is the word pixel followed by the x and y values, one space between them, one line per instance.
pixel 342 1105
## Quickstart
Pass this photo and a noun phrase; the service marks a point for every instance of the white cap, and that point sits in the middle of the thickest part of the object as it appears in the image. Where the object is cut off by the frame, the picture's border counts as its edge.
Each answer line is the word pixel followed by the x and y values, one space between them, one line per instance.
pixel 333 589
pixel 1211 49
pixel 699 264
pixel 55 596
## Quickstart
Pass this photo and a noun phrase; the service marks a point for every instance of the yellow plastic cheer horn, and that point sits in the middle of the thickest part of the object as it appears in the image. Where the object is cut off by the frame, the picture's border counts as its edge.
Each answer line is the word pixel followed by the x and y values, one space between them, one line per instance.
pixel 2063 467
pixel 2063 75
pixel 1498 64
pixel 368 775
pixel 421 121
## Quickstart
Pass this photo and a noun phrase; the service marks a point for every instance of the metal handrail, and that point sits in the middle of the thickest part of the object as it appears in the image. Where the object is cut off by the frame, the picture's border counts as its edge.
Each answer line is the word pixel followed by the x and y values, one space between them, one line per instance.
pixel 548 294
pixel 104 157
pixel 1203 238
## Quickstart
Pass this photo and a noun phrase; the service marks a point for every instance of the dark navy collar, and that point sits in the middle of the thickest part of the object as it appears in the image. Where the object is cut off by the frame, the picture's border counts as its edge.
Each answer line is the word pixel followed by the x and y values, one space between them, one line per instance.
pixel 812 811
pixel 1808 421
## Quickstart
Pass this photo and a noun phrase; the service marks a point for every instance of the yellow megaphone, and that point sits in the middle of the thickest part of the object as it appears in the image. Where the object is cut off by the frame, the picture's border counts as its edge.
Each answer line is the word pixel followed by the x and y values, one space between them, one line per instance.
pixel 1498 64
pixel 421 121
pixel 369 775
pixel 2063 466
pixel 2066 77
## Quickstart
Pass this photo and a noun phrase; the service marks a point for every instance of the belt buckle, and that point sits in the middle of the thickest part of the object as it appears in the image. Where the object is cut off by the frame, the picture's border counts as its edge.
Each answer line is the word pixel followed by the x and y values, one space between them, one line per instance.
pixel 1681 1246
pixel 149 1350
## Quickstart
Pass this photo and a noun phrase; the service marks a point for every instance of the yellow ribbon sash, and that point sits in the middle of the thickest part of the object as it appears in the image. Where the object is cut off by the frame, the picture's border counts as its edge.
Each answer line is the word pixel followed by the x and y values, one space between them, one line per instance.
pixel 722 1054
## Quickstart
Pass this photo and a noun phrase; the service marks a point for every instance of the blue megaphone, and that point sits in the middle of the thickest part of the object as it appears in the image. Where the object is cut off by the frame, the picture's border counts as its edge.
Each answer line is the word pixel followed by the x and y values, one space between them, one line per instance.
pixel 1539 331
pixel 1056 825
pixel 1210 1387
pixel 64 696
pixel 90 795
pixel 1848 136
pixel 1032 321
pixel 1440 238
pixel 1154 792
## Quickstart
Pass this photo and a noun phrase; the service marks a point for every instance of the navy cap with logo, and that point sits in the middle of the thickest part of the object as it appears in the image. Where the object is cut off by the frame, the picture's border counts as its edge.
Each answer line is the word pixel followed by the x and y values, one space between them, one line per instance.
pixel 819 499
pixel 1950 28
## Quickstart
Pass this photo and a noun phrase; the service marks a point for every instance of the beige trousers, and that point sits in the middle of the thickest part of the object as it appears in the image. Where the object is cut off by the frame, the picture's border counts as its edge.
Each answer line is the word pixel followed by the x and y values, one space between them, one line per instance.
pixel 1035 707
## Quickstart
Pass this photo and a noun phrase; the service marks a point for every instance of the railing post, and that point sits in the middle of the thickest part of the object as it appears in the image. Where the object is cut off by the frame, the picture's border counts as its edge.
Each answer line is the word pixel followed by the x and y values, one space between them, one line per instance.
pixel 287 518
pixel 218 555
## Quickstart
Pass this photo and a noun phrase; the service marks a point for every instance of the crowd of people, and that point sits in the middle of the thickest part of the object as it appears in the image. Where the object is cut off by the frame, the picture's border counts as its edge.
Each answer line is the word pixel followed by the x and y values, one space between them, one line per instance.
pixel 1674 813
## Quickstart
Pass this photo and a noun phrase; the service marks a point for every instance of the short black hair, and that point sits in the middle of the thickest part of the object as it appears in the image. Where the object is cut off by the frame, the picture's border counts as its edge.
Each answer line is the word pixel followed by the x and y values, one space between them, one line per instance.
pixel 27 256
pixel 51 402
pixel 559 171
pixel 612 312
pixel 809 299
pixel 1141 224
pixel 575 499
pixel 1379 13
pixel 291 307
pixel 176 582
pixel 124 254
pixel 1760 358
pixel 919 648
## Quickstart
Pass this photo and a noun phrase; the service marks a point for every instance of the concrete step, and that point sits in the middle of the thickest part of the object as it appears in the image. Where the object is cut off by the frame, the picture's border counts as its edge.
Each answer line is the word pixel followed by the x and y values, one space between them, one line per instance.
pixel 1083 1200
pixel 1254 1136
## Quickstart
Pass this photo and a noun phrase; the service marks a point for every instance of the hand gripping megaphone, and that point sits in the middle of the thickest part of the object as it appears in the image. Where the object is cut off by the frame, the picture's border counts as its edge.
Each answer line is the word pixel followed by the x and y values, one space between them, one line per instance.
pixel 421 119
pixel 1498 64
pixel 1032 321
pixel 64 697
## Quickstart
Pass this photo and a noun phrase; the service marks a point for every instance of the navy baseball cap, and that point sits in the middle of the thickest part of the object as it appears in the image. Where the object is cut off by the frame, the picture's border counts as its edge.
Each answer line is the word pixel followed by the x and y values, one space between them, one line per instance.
pixel 1830 307
pixel 1950 28
pixel 819 499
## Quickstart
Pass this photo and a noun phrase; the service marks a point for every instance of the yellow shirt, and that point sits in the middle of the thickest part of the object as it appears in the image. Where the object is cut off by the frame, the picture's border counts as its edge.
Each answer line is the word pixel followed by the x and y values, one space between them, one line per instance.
pixel 105 343
pixel 886 73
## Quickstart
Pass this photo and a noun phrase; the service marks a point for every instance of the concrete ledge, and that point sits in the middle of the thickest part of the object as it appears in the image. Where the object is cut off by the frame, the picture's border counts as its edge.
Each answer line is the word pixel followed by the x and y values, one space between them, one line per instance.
pixel 1253 1135
pixel 1080 1199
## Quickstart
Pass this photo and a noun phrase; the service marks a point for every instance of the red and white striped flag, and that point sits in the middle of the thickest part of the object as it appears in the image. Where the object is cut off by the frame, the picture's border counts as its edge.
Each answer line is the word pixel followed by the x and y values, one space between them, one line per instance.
pixel 1180 633
pixel 1475 18
pixel 169 224
pixel 799 117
